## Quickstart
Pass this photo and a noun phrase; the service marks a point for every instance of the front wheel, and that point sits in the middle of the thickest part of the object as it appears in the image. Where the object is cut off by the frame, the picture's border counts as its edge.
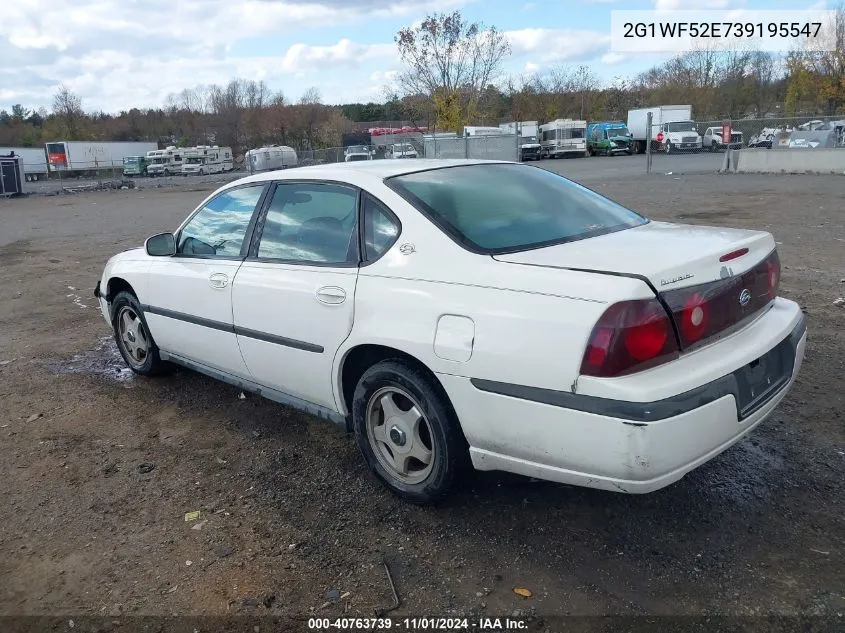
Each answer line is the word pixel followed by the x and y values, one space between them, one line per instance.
pixel 668 147
pixel 166 172
pixel 132 335
pixel 407 432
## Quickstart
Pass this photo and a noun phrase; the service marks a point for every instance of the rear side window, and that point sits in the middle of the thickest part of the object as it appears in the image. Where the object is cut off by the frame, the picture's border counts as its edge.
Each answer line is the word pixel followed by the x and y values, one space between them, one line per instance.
pixel 311 223
pixel 380 229
pixel 506 208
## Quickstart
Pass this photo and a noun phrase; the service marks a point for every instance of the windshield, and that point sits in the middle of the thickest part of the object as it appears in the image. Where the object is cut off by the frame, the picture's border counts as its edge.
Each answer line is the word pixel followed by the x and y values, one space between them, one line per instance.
pixel 130 160
pixel 158 160
pixel 621 130
pixel 505 208
pixel 403 148
pixel 682 126
pixel 194 160
pixel 529 139
pixel 356 149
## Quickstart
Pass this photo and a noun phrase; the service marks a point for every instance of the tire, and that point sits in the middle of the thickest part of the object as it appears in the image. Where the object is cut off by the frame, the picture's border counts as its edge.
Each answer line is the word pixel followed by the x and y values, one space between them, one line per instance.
pixel 166 172
pixel 436 431
pixel 126 306
pixel 668 147
pixel 202 173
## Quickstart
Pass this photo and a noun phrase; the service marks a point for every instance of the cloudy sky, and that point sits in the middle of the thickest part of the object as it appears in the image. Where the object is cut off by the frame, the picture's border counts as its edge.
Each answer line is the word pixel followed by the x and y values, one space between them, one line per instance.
pixel 119 54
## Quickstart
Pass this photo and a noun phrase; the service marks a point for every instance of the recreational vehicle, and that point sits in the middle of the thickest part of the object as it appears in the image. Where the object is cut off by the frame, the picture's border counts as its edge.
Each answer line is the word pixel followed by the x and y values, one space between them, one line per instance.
pixel 207 159
pixel 270 158
pixel 563 137
pixel 165 162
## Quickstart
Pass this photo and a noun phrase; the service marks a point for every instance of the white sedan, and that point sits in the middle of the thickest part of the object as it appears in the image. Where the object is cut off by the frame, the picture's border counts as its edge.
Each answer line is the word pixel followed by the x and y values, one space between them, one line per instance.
pixel 469 312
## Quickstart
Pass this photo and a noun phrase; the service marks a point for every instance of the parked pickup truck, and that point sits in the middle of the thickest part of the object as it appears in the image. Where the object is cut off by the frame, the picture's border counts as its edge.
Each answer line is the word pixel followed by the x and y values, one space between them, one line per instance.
pixel 712 139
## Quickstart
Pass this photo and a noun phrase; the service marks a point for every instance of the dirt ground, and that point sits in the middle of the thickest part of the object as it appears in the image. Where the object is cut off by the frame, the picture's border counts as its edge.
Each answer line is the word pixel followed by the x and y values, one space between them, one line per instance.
pixel 98 468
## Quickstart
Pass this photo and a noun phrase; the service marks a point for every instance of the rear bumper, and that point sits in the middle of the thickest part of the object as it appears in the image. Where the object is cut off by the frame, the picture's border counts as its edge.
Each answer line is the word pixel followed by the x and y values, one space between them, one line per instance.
pixel 632 447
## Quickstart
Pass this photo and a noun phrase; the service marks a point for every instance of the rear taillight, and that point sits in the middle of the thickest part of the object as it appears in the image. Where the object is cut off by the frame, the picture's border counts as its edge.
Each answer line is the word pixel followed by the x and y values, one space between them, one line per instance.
pixel 629 336
pixel 773 274
pixel 707 309
pixel 695 316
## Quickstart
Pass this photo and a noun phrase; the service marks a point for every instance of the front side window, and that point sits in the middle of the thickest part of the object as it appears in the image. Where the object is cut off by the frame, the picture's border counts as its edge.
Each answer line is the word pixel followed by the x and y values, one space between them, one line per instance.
pixel 506 208
pixel 311 223
pixel 218 229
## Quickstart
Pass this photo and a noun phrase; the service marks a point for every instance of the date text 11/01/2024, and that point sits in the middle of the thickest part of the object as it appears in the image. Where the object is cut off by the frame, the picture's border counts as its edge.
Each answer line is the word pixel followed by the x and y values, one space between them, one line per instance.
pixel 491 624
pixel 721 29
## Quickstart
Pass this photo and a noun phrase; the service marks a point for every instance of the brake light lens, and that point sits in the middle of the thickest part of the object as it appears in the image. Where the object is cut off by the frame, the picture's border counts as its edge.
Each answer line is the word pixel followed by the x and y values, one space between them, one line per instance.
pixel 705 310
pixel 630 336
pixel 695 316
pixel 773 275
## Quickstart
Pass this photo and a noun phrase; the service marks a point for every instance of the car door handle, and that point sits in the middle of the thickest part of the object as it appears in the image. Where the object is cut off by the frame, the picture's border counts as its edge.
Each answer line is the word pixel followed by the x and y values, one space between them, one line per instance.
pixel 218 280
pixel 331 295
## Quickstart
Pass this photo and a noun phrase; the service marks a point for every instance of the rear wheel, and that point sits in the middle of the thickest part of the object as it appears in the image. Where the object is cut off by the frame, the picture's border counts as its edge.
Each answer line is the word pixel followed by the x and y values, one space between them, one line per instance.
pixel 407 432
pixel 133 337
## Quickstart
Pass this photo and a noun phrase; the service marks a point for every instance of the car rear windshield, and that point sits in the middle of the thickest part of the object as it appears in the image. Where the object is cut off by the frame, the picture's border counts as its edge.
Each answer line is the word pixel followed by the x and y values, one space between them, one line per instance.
pixel 503 208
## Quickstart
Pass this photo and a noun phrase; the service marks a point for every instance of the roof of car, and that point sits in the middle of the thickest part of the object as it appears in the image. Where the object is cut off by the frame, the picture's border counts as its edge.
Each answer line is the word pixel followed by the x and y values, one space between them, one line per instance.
pixel 372 168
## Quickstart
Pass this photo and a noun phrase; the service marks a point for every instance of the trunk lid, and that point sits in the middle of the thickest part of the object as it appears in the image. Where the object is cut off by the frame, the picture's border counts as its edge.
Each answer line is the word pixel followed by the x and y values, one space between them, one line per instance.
pixel 709 279
pixel 668 255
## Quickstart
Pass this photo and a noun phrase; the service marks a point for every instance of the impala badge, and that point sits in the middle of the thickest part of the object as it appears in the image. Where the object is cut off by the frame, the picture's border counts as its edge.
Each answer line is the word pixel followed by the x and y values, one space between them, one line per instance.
pixel 744 297
pixel 666 282
pixel 407 248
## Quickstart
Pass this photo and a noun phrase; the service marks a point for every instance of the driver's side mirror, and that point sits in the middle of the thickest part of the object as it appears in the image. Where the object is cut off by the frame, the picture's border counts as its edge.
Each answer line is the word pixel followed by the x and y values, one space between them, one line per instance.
pixel 161 245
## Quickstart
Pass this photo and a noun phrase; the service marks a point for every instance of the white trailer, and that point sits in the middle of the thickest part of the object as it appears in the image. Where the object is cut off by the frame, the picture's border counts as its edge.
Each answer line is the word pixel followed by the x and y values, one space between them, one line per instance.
pixel 33 159
pixel 269 158
pixel 68 156
pixel 480 130
pixel 529 138
pixel 672 128
pixel 563 137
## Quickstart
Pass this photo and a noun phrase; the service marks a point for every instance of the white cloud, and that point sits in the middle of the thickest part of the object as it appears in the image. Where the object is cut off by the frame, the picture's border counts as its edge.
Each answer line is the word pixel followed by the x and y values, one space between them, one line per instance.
pixel 558 45
pixel 531 67
pixel 610 58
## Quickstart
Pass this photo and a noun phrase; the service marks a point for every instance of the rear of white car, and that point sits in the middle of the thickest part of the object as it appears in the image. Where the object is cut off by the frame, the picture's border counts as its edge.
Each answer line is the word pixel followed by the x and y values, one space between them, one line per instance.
pixel 688 349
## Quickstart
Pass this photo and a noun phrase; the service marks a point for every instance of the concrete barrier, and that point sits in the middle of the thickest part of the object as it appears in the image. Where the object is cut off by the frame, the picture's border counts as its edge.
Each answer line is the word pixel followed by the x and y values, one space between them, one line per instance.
pixel 789 161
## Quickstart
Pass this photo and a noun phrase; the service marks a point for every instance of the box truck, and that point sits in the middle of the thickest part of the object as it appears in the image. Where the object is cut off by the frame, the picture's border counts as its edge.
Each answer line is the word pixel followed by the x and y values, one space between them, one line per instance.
pixel 70 156
pixel 529 138
pixel 672 129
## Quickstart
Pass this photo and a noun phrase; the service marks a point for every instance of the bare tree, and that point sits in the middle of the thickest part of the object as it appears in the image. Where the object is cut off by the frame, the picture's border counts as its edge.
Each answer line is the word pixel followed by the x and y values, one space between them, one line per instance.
pixel 67 108
pixel 450 60
pixel 310 110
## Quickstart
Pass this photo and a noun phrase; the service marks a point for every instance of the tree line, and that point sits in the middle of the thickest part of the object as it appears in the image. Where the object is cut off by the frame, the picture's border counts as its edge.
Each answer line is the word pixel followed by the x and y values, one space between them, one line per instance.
pixel 453 77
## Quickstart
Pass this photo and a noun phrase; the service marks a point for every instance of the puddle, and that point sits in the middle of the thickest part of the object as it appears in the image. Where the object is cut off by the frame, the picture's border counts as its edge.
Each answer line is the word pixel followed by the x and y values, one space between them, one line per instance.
pixel 104 361
pixel 748 472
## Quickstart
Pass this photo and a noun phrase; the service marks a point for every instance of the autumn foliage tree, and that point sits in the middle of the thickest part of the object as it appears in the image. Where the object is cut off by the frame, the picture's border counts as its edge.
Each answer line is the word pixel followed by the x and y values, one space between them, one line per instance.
pixel 451 62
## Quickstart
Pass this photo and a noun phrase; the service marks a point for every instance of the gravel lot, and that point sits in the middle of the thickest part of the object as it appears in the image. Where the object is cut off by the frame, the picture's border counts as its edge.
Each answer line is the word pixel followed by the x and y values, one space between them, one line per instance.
pixel 288 512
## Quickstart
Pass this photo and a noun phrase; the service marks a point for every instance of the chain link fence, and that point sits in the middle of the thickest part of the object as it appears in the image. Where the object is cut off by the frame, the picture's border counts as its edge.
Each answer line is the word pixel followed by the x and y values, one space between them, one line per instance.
pixel 699 146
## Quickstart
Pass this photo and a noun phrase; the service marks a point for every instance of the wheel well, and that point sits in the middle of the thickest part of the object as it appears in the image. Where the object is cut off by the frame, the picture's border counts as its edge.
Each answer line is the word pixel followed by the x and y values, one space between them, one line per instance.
pixel 116 285
pixel 361 358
